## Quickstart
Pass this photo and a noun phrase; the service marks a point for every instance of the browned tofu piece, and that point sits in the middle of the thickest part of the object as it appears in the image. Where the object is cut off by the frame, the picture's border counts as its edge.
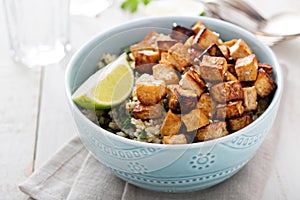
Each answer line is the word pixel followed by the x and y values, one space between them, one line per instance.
pixel 250 98
pixel 212 50
pixel 148 43
pixel 170 90
pixel 182 101
pixel 264 84
pixel 180 33
pixel 165 73
pixel 195 51
pixel 179 56
pixel 165 45
pixel 175 139
pixel 150 91
pixel 206 37
pixel 144 112
pixel 229 43
pixel 225 50
pixel 171 124
pixel 212 131
pixel 198 26
pixel 231 68
pixel 189 41
pixel 213 68
pixel 164 59
pixel 227 91
pixel 192 81
pixel 229 110
pixel 246 68
pixel 206 105
pixel 236 124
pixel 267 67
pixel 229 77
pixel 240 49
pixel 194 120
pixel 144 60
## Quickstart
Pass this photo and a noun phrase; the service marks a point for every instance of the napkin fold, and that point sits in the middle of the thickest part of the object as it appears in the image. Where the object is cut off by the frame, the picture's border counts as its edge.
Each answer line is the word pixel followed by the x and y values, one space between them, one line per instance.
pixel 74 174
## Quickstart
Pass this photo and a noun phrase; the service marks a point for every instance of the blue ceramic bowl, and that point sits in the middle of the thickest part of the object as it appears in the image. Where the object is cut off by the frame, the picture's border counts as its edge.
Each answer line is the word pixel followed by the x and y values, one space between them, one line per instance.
pixel 170 168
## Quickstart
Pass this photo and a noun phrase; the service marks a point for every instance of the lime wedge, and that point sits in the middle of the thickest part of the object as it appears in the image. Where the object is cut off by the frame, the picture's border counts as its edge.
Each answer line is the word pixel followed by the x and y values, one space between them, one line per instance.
pixel 108 87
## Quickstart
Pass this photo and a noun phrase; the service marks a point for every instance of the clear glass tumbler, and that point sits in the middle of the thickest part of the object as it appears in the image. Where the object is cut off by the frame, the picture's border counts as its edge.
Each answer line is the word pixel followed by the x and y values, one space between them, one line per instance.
pixel 38 30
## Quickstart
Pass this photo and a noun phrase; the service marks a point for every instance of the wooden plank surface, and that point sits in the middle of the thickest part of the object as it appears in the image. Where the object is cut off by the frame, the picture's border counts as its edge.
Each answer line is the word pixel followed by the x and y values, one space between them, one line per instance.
pixel 56 126
pixel 19 102
pixel 287 161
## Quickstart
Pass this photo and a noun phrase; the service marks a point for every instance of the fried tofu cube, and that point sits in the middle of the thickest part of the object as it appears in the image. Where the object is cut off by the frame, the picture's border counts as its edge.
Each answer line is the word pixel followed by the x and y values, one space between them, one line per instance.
pixel 212 50
pixel 213 68
pixel 231 68
pixel 149 91
pixel 227 91
pixel 144 112
pixel 264 84
pixel 250 98
pixel 144 60
pixel 148 43
pixel 229 110
pixel 164 59
pixel 165 45
pixel 229 77
pixel 225 50
pixel 206 37
pixel 175 139
pixel 179 56
pixel 171 124
pixel 198 26
pixel 229 43
pixel 171 89
pixel 180 33
pixel 267 67
pixel 246 68
pixel 189 41
pixel 206 105
pixel 165 73
pixel 183 101
pixel 240 49
pixel 195 51
pixel 194 120
pixel 212 131
pixel 192 81
pixel 236 124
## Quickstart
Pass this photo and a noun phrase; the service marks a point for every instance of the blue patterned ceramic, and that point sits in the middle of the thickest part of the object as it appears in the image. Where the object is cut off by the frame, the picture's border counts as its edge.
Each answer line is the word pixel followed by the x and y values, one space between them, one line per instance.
pixel 170 168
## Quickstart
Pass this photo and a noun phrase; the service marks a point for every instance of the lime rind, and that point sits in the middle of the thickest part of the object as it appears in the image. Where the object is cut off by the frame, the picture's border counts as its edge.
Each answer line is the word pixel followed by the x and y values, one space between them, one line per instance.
pixel 85 96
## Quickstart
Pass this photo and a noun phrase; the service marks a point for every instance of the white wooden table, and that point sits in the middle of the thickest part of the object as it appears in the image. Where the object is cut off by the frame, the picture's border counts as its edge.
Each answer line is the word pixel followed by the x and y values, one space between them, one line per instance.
pixel 35 119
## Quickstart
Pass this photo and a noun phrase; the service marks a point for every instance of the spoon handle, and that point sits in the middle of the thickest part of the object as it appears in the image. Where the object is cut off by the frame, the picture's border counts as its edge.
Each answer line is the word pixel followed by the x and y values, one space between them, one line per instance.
pixel 246 8
pixel 225 9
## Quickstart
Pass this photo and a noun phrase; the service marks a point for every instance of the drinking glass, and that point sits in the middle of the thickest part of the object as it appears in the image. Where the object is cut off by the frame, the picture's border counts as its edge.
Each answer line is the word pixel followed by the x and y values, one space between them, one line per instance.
pixel 38 30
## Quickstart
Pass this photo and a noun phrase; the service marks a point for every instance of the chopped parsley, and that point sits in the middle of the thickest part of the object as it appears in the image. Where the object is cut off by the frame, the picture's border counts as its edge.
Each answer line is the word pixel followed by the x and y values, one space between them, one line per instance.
pixel 132 5
pixel 143 134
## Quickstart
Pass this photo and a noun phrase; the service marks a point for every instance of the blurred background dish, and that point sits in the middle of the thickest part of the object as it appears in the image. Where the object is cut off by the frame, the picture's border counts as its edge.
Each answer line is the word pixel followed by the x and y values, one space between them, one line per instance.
pixel 90 8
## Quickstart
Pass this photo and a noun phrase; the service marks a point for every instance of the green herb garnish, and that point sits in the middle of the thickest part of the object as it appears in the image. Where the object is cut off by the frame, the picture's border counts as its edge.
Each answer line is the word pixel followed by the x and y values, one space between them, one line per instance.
pixel 126 49
pixel 143 134
pixel 132 5
pixel 126 123
pixel 202 14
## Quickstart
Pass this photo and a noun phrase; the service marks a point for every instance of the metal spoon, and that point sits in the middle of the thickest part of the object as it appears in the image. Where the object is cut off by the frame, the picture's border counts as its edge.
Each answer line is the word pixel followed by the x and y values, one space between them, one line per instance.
pixel 241 13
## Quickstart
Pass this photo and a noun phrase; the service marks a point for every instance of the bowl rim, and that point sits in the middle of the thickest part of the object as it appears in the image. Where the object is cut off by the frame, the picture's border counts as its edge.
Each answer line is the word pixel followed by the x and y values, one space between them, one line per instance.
pixel 139 22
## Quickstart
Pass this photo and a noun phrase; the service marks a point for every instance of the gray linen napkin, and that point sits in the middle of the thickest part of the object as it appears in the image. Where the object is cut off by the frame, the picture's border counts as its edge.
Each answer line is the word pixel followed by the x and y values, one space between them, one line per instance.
pixel 74 174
